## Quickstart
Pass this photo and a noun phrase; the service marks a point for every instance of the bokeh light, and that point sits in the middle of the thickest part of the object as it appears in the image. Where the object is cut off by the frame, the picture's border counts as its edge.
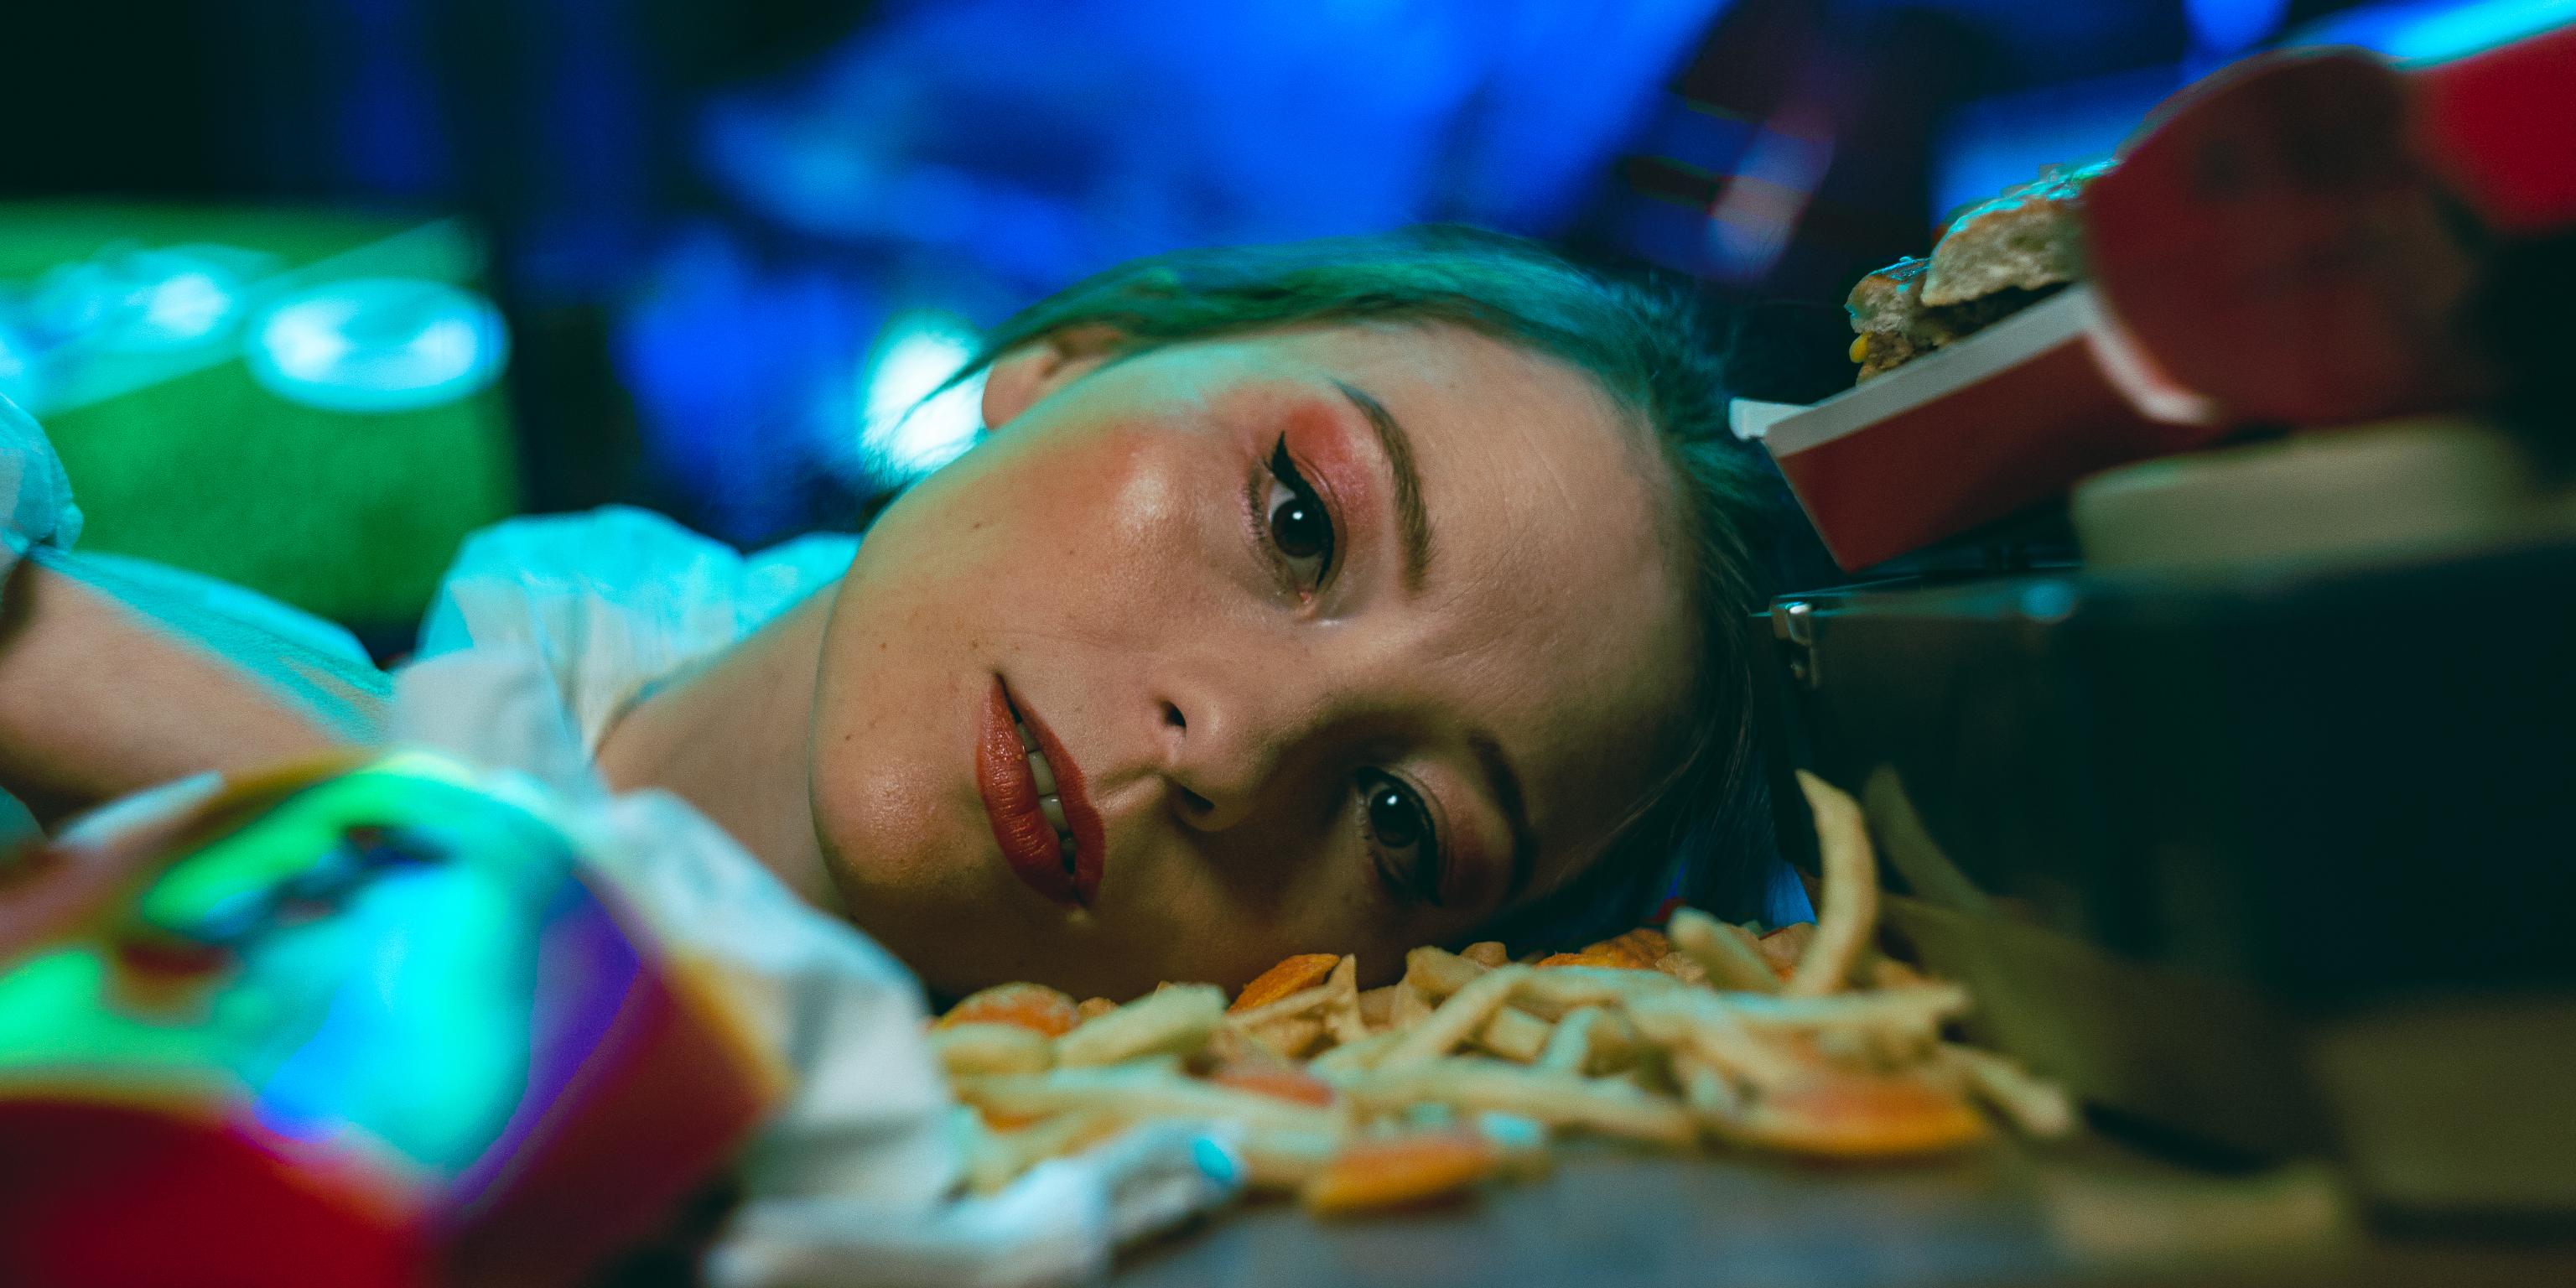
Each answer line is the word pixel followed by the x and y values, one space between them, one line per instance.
pixel 379 344
pixel 909 426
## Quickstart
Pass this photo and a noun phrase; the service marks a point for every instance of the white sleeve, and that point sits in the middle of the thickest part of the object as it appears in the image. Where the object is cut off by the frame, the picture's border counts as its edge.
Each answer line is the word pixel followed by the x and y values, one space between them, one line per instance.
pixel 39 495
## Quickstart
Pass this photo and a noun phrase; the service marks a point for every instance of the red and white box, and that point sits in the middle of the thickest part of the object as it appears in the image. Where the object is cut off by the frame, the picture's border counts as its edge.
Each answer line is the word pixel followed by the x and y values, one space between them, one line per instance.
pixel 1971 433
pixel 2274 248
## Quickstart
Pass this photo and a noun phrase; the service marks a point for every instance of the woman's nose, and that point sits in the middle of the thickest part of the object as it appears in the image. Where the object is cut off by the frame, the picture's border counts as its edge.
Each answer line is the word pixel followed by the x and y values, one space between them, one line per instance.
pixel 1226 742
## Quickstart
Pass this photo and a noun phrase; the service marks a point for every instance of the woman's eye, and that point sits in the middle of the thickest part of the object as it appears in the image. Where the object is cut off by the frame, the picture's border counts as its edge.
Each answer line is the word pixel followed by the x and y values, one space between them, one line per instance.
pixel 1401 835
pixel 1299 525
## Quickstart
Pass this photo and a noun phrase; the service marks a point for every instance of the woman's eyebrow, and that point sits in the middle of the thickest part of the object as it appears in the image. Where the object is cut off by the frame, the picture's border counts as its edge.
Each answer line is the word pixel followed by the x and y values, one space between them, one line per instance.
pixel 1412 522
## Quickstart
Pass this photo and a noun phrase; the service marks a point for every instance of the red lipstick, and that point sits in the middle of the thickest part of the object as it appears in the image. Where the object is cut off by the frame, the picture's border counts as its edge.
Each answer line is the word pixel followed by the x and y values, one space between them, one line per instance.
pixel 1010 791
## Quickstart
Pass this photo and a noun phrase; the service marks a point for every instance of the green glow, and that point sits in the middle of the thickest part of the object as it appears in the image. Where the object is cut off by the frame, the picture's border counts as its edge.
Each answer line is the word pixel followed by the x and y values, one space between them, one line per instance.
pixel 182 456
pixel 402 1019
pixel 53 1018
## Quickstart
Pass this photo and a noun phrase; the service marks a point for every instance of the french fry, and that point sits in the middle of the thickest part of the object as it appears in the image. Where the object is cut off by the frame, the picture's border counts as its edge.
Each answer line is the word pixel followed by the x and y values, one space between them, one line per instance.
pixel 1283 1079
pixel 1457 1019
pixel 1291 975
pixel 1569 1046
pixel 1905 1010
pixel 1290 1036
pixel 1438 974
pixel 1649 942
pixel 1727 954
pixel 1783 947
pixel 1377 1006
pixel 1341 1009
pixel 1277 1161
pixel 1001 1156
pixel 1635 950
pixel 1167 1021
pixel 1376 1174
pixel 1716 1035
pixel 1592 1040
pixel 1305 1003
pixel 1607 1106
pixel 1488 954
pixel 1410 1007
pixel 1710 1094
pixel 1831 1114
pixel 1138 1093
pixel 1850 914
pixel 2037 1108
pixel 1605 960
pixel 1848 1047
pixel 968 1050
pixel 1034 1007
pixel 1231 1045
pixel 1093 1008
pixel 1549 994
pixel 1424 1115
pixel 1514 1034
pixel 1354 1057
pixel 1757 1038
pixel 1682 968
pixel 988 1162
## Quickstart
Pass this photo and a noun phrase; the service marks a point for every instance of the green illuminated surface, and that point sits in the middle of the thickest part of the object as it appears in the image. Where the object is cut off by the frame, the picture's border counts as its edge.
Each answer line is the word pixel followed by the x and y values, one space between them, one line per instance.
pixel 402 1019
pixel 197 465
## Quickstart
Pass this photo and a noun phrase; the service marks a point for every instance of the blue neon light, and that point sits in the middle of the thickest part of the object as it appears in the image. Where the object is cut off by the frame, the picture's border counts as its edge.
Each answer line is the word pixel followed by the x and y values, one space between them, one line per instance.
pixel 2443 30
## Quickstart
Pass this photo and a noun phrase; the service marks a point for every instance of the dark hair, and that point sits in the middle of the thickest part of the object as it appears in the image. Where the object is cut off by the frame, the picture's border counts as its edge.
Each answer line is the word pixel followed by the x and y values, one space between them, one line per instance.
pixel 1648 349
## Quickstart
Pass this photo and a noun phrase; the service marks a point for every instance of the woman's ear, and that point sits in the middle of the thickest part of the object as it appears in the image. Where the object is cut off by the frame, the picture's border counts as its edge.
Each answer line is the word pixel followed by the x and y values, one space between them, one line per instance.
pixel 1029 372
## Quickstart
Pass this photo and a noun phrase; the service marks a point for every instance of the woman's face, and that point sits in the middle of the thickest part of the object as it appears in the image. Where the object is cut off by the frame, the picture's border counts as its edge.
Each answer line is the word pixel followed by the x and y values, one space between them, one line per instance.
pixel 1341 639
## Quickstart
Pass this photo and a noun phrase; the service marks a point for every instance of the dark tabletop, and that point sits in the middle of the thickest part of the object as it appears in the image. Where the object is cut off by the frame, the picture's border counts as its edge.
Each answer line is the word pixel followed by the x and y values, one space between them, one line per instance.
pixel 2088 1212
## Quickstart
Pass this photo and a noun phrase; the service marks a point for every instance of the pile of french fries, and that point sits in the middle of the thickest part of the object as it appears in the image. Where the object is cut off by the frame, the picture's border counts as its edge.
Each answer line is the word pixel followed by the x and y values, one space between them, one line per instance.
pixel 1802 1041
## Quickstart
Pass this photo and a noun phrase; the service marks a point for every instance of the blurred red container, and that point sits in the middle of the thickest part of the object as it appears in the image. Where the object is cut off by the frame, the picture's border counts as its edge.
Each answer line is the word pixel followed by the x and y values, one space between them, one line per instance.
pixel 360 1026
pixel 2501 124
pixel 2272 249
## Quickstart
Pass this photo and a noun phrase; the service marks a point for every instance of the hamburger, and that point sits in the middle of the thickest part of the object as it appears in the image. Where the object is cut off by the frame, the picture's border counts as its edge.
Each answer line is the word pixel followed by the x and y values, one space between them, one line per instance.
pixel 1997 259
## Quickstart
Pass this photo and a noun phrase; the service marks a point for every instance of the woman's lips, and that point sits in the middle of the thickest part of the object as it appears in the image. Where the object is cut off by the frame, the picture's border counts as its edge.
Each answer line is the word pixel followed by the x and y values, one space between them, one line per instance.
pixel 1010 791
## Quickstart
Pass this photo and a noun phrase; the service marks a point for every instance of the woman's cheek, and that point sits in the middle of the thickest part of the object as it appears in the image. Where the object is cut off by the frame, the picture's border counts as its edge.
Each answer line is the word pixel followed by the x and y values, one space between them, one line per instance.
pixel 1177 543
pixel 1145 511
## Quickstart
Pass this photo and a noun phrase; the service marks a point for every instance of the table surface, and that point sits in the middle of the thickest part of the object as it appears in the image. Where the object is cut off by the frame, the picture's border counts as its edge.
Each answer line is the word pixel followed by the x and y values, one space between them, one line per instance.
pixel 2085 1212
